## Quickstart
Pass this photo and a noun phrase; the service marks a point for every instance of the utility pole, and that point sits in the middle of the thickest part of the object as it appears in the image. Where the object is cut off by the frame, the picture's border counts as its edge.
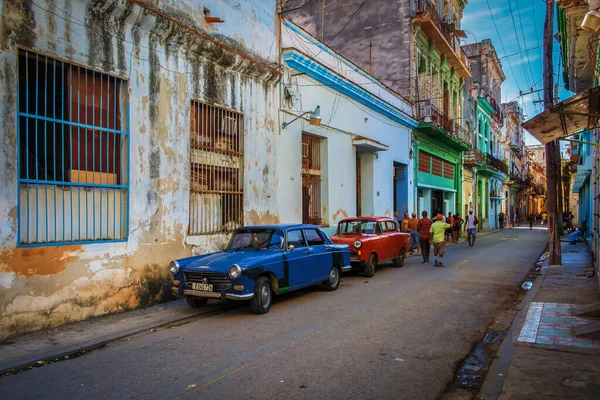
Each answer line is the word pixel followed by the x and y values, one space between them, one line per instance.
pixel 551 162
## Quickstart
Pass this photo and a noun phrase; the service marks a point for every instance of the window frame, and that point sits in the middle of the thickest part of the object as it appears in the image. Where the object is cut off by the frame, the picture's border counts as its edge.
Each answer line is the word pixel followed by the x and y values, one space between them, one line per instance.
pixel 287 233
pixel 122 184
pixel 323 241
pixel 215 137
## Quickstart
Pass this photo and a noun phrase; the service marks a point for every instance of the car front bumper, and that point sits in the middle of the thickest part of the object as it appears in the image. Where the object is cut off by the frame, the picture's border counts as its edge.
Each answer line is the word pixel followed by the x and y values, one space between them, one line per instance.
pixel 212 295
pixel 346 268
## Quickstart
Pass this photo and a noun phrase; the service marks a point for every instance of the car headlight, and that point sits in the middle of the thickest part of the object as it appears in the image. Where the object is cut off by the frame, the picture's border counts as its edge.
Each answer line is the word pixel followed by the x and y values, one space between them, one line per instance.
pixel 357 244
pixel 174 267
pixel 235 271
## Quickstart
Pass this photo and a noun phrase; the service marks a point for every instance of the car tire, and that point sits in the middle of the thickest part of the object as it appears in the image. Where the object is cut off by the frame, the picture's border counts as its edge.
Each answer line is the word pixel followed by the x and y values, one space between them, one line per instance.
pixel 333 282
pixel 263 296
pixel 399 261
pixel 196 302
pixel 370 266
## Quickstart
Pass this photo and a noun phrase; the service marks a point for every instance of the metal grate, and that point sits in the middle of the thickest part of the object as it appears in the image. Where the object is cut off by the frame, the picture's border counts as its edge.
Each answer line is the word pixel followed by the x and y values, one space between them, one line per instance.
pixel 217 163
pixel 219 282
pixel 311 179
pixel 73 157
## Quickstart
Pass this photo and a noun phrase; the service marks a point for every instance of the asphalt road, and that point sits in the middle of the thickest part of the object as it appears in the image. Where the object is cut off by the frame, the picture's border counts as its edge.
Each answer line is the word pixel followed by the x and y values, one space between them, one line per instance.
pixel 399 334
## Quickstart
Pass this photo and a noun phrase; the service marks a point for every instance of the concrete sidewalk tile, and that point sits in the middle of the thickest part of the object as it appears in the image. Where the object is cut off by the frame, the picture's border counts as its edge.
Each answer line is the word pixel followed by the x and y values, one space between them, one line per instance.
pixel 544 340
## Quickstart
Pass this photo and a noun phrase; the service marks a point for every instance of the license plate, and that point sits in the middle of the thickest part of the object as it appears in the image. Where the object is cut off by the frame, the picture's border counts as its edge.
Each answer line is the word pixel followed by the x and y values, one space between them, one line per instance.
pixel 205 287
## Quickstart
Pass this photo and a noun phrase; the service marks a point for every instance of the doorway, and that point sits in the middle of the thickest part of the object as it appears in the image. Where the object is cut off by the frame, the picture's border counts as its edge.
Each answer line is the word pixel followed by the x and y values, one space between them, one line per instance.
pixel 400 188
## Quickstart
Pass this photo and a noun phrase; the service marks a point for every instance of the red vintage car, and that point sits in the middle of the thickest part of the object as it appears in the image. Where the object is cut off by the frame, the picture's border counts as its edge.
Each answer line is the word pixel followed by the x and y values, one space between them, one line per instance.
pixel 372 241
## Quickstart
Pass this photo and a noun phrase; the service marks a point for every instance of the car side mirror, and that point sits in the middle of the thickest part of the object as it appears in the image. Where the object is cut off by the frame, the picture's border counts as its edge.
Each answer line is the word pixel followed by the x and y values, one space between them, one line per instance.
pixel 291 247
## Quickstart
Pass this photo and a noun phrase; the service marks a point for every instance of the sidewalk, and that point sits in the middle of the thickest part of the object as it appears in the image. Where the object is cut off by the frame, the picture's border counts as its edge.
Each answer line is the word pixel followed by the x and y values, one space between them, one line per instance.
pixel 540 356
pixel 39 348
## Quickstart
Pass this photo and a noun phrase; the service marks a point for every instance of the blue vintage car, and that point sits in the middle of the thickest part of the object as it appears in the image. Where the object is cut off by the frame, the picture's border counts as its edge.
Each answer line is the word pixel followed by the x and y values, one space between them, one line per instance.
pixel 261 261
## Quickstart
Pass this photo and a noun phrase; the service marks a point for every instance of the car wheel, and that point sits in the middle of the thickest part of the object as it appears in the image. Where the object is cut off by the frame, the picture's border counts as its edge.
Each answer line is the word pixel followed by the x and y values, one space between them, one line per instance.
pixel 196 302
pixel 399 262
pixel 263 296
pixel 370 266
pixel 333 282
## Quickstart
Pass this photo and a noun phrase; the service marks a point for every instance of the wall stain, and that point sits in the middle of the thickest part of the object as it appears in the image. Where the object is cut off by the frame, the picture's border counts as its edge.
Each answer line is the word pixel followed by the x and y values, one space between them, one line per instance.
pixel 18 22
pixel 253 217
pixel 26 262
pixel 339 212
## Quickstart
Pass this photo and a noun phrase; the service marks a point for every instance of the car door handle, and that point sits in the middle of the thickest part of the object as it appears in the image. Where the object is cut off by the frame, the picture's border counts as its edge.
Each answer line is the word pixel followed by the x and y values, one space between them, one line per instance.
pixel 327 248
pixel 308 251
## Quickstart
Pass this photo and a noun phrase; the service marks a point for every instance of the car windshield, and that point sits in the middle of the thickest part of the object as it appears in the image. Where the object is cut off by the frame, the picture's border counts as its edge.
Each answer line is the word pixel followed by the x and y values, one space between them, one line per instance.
pixel 362 226
pixel 256 239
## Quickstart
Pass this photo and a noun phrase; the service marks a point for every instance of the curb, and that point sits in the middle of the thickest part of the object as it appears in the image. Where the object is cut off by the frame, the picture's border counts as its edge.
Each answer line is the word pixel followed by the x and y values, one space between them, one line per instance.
pixel 17 366
pixel 496 375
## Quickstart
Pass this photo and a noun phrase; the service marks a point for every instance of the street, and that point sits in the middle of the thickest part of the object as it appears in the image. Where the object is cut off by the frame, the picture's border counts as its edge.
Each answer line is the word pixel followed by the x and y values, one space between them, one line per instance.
pixel 399 334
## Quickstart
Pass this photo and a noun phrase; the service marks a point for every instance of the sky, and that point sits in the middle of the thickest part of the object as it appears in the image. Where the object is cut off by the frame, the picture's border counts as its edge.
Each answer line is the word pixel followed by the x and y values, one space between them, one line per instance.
pixel 521 26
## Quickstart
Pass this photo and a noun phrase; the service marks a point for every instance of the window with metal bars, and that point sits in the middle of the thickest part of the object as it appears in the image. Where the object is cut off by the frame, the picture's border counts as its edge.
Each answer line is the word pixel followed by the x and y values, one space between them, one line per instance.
pixel 311 179
pixel 217 164
pixel 73 153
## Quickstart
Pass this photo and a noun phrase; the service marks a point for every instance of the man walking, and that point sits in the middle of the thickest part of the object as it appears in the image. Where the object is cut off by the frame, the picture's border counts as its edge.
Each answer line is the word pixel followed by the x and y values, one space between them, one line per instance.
pixel 530 220
pixel 413 223
pixel 424 236
pixel 438 228
pixel 471 227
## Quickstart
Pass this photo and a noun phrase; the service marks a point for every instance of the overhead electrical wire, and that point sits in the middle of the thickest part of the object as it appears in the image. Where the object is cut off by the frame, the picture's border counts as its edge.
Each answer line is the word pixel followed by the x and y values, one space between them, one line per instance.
pixel 525 42
pixel 518 40
pixel 502 44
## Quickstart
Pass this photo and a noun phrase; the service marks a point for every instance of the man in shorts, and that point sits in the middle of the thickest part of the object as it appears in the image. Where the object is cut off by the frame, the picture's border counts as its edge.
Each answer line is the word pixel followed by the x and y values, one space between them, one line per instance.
pixel 438 228
pixel 471 227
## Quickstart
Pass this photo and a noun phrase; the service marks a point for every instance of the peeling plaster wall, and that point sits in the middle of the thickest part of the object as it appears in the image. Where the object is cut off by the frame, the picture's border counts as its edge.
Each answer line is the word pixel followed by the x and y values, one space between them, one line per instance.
pixel 165 67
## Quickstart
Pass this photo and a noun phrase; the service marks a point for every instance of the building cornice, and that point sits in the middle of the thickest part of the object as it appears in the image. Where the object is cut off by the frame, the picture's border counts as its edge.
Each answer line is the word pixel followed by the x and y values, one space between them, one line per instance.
pixel 301 62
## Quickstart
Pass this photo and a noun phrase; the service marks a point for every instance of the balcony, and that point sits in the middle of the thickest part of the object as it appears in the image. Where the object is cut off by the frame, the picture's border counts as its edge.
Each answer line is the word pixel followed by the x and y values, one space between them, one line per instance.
pixel 433 25
pixel 497 110
pixel 473 158
pixel 438 125
pixel 488 164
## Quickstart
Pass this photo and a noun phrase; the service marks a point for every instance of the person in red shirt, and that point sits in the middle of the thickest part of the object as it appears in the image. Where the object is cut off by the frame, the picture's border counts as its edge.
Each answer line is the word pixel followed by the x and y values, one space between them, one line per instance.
pixel 425 236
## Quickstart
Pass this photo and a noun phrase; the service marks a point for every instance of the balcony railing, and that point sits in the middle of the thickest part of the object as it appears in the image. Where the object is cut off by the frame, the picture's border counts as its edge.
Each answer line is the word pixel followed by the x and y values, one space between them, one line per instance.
pixel 473 158
pixel 478 158
pixel 431 114
pixel 426 6
pixel 497 163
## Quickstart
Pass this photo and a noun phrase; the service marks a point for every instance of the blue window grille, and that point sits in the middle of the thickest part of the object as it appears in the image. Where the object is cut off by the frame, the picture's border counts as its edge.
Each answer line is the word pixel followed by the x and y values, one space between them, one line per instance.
pixel 73 154
pixel 217 166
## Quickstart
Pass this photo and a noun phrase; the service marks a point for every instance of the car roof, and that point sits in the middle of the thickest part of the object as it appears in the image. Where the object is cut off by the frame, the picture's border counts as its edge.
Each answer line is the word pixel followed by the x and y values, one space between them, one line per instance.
pixel 283 227
pixel 370 218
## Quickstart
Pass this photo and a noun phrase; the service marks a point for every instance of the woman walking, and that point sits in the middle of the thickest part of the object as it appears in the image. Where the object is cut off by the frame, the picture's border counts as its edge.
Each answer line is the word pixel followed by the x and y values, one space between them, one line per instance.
pixel 457 222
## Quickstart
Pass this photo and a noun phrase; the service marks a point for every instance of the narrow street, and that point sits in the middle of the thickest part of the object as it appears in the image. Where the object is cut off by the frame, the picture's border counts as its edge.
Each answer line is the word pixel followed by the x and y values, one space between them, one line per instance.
pixel 396 335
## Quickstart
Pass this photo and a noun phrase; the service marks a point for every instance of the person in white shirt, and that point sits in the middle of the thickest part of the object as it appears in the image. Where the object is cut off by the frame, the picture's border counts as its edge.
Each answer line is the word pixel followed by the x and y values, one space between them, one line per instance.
pixel 471 227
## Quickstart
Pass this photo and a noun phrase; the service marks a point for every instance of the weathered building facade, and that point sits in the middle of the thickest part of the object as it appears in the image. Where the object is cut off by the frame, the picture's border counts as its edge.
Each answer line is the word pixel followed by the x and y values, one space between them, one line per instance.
pixel 431 77
pixel 133 132
pixel 357 161
pixel 518 182
pixel 488 154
